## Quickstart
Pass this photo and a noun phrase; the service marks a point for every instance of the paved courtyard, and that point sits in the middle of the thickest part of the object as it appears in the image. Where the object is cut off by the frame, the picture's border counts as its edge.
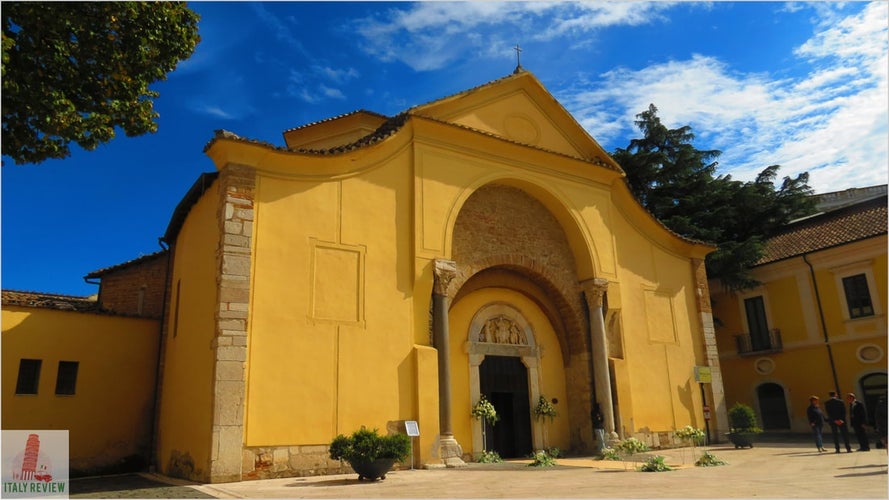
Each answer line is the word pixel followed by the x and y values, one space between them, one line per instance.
pixel 769 470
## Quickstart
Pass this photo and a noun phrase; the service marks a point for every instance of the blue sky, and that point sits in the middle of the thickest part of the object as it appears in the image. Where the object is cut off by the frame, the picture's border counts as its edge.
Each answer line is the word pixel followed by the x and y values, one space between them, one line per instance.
pixel 803 85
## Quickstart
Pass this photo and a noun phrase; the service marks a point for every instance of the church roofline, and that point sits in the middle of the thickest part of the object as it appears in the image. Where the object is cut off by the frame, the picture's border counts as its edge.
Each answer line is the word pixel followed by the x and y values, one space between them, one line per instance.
pixel 338 117
pixel 138 260
pixel 177 219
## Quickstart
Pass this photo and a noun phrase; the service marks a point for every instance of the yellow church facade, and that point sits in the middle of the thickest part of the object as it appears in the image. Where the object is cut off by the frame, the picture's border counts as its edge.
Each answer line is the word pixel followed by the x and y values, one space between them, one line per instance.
pixel 379 270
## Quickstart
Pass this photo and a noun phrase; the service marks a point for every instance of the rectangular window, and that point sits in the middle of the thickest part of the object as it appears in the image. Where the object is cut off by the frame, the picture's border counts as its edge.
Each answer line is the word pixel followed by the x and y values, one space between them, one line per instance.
pixel 66 380
pixel 858 296
pixel 29 376
pixel 756 321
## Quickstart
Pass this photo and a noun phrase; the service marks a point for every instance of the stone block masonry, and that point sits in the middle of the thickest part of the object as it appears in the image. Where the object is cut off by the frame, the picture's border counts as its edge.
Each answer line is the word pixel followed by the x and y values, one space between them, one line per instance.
pixel 233 257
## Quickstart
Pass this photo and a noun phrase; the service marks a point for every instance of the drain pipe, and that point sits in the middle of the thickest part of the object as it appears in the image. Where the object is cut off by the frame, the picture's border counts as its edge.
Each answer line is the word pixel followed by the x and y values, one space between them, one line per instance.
pixel 833 368
pixel 158 375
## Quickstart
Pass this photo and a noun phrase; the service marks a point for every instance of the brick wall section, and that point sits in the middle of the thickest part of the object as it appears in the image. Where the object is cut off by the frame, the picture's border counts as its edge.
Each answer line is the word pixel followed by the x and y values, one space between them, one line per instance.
pixel 233 258
pixel 502 226
pixel 121 290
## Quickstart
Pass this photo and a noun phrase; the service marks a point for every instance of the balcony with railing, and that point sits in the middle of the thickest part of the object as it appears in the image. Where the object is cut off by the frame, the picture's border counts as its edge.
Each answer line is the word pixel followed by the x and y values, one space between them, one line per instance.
pixel 749 345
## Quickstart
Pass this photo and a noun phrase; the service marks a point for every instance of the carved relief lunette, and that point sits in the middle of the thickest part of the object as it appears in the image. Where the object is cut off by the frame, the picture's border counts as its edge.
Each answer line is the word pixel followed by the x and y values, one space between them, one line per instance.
pixel 502 330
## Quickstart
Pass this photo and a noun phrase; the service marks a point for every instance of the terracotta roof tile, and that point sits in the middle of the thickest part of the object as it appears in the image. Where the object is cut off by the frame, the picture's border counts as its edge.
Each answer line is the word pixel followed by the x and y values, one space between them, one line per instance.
pixel 848 224
pixel 105 270
pixel 49 301
pixel 332 118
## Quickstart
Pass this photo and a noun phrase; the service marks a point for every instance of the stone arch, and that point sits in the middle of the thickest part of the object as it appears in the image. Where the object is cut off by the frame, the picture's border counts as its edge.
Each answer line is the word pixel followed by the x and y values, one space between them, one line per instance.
pixel 532 280
pixel 581 242
pixel 506 237
pixel 501 226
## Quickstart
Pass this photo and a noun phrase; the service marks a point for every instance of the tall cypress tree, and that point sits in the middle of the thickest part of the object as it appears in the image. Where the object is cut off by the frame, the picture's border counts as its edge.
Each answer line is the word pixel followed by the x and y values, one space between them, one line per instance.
pixel 678 184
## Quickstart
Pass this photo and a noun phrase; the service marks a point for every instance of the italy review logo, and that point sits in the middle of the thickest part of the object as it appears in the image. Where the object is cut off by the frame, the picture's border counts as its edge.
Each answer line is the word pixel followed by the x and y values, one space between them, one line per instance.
pixel 35 464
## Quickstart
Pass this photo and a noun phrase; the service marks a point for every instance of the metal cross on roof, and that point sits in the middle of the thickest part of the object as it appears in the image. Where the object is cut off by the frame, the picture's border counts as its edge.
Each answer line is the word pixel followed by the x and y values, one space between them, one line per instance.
pixel 518 59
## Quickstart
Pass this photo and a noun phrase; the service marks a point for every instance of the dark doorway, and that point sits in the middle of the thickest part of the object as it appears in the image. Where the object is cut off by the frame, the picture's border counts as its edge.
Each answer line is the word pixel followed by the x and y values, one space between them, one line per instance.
pixel 873 386
pixel 504 381
pixel 773 407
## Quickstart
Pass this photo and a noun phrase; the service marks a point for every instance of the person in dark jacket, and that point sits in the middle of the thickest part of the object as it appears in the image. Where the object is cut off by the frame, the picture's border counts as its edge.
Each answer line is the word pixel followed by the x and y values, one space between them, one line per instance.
pixel 881 420
pixel 858 421
pixel 816 421
pixel 836 417
pixel 599 427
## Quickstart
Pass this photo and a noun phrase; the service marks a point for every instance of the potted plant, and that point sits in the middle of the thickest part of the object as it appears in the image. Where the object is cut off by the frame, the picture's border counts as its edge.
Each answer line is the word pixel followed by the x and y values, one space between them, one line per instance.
pixel 368 453
pixel 742 426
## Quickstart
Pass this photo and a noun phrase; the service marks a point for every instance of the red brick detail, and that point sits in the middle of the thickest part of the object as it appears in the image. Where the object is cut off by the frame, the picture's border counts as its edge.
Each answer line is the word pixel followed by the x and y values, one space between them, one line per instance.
pixel 502 227
pixel 136 289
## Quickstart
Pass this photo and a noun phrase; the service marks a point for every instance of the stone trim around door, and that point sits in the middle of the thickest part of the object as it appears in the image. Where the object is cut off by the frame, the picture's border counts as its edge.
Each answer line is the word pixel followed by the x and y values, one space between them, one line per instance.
pixel 514 337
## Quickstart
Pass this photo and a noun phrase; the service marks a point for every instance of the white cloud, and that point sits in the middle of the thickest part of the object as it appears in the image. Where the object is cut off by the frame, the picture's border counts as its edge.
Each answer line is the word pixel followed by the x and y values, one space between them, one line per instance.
pixel 212 110
pixel 429 35
pixel 833 122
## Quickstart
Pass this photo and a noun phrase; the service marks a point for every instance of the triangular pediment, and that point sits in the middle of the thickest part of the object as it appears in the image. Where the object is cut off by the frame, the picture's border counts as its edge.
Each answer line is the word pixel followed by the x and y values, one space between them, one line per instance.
pixel 517 108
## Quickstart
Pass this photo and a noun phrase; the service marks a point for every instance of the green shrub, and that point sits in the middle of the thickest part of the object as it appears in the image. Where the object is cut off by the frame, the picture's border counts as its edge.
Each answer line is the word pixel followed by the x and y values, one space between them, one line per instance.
pixel 709 460
pixel 655 464
pixel 610 454
pixel 542 459
pixel 742 419
pixel 367 445
pixel 489 457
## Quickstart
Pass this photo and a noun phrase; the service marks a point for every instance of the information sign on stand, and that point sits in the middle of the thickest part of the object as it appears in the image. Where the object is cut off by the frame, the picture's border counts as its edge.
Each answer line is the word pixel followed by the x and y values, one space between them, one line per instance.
pixel 412 430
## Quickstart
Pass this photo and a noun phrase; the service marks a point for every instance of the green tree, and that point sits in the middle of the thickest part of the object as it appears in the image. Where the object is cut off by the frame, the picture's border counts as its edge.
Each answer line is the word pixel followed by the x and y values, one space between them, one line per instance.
pixel 76 71
pixel 678 184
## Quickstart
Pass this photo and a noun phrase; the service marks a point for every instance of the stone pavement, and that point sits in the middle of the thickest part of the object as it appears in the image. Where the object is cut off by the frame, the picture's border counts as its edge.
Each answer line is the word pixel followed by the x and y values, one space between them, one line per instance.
pixel 769 470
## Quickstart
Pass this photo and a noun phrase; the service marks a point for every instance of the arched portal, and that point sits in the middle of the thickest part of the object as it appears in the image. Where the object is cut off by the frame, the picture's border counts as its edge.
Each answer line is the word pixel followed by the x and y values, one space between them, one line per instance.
pixel 503 365
pixel 505 239
pixel 773 406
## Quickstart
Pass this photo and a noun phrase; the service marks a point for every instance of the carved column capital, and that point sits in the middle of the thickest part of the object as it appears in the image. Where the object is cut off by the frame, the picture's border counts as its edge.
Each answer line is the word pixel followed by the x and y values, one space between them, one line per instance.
pixel 594 290
pixel 444 271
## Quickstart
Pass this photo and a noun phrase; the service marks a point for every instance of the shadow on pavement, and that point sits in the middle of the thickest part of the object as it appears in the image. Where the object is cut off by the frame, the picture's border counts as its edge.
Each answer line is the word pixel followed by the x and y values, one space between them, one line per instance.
pixel 129 486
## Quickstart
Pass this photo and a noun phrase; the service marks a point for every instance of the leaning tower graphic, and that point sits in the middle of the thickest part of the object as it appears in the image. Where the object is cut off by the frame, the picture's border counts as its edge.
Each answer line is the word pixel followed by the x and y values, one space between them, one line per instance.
pixel 29 463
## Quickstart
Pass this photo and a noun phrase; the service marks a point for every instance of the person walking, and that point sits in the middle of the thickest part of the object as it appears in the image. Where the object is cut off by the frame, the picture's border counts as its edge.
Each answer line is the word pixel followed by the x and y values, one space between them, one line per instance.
pixel 858 421
pixel 816 421
pixel 836 417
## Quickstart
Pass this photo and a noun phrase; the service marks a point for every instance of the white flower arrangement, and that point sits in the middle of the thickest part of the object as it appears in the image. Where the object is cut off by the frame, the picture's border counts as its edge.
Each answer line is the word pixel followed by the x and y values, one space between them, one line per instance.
pixel 632 446
pixel 545 408
pixel 484 409
pixel 689 433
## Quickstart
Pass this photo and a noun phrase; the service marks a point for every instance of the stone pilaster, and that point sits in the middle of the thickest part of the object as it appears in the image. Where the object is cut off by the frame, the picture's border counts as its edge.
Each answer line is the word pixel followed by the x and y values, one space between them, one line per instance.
pixel 705 316
pixel 233 257
pixel 444 271
pixel 593 291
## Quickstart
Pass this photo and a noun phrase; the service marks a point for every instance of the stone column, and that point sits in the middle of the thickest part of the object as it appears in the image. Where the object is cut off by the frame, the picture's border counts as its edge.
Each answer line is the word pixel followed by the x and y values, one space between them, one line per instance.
pixel 593 291
pixel 233 257
pixel 450 450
